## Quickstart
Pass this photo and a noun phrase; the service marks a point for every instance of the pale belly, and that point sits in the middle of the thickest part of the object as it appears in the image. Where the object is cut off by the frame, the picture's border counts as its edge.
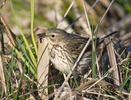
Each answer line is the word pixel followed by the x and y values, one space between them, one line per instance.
pixel 61 66
pixel 61 60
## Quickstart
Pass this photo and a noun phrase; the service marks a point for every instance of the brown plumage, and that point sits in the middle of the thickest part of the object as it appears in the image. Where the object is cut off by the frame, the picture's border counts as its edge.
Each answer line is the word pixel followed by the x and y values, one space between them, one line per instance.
pixel 64 49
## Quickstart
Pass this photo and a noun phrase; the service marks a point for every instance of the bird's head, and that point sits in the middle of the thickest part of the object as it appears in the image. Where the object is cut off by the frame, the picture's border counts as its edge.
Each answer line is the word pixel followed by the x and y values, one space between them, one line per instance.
pixel 53 36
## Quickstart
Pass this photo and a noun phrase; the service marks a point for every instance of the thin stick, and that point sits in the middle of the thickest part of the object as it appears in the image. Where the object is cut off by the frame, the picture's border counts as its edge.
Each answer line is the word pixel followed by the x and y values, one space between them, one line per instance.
pixel 105 95
pixel 109 71
pixel 3 82
pixel 69 8
pixel 2 21
pixel 87 19
pixel 98 67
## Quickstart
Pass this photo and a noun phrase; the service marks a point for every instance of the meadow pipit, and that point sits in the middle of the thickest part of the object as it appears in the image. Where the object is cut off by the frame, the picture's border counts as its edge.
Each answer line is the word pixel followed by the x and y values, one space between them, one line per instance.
pixel 64 49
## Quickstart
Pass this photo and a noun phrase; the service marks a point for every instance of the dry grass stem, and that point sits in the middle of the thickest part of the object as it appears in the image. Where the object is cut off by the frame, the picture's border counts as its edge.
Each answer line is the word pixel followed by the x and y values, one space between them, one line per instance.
pixel 105 95
pixel 98 67
pixel 112 60
pixel 87 19
pixel 69 8
pixel 2 22
pixel 2 76
pixel 109 71
pixel 81 22
pixel 43 67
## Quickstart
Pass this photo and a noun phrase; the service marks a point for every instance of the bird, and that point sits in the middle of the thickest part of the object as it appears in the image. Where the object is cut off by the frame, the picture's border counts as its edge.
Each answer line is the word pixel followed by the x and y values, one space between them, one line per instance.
pixel 64 49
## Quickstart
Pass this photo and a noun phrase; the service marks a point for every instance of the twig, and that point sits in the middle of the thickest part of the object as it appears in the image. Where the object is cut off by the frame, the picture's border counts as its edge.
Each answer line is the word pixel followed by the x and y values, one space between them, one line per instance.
pixel 105 95
pixel 69 8
pixel 98 67
pixel 2 21
pixel 62 19
pixel 109 71
pixel 87 19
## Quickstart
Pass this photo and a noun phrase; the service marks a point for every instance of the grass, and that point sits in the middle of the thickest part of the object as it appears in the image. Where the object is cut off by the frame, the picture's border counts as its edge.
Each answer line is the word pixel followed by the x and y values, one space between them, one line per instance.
pixel 19 75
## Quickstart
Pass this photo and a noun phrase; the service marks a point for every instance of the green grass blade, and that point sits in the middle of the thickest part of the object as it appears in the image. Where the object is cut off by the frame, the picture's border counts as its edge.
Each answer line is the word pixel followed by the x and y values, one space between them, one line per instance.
pixel 93 58
pixel 23 36
pixel 32 25
pixel 25 61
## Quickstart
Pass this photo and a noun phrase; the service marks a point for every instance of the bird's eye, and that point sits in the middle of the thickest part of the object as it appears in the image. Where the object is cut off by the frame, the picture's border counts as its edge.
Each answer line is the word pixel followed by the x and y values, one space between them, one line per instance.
pixel 53 36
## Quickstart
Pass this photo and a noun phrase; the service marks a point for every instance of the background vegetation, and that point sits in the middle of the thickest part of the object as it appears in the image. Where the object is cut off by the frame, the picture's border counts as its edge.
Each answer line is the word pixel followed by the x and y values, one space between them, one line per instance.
pixel 18 64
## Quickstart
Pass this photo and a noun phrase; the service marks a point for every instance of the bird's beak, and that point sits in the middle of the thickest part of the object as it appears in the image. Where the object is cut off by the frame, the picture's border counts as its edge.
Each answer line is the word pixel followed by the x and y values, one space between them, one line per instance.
pixel 40 33
pixel 40 36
